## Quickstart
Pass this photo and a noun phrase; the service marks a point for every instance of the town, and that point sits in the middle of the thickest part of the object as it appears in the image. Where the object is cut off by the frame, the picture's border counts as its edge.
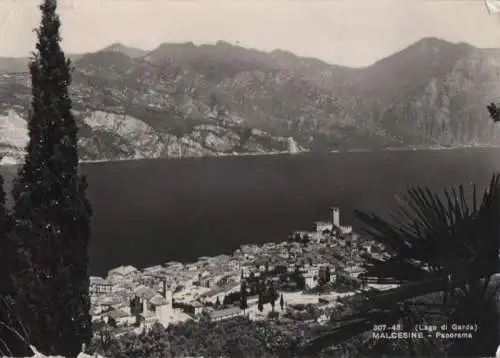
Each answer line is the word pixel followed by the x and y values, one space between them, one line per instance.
pixel 307 275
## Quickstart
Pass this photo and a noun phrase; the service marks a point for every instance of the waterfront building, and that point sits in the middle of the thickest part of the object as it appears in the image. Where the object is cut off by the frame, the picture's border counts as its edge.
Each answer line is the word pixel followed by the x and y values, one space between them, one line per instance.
pixel 122 273
pixel 335 219
pixel 99 286
pixel 322 226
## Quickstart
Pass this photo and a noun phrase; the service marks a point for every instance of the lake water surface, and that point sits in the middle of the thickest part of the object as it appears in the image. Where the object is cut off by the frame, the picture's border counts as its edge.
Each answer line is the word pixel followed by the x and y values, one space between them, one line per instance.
pixel 149 212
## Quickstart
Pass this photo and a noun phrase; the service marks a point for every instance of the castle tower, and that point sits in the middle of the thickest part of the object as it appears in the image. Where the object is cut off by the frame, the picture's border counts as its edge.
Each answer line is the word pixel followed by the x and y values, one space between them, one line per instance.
pixel 335 215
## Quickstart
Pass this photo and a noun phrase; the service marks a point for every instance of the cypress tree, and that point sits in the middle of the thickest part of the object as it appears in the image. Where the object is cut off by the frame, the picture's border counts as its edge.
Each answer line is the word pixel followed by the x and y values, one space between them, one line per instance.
pixel 51 210
pixel 7 252
pixel 273 296
pixel 11 330
pixel 243 302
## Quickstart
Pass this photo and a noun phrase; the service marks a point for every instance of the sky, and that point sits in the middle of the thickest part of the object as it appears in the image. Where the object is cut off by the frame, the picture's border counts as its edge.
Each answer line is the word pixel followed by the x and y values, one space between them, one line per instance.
pixel 345 32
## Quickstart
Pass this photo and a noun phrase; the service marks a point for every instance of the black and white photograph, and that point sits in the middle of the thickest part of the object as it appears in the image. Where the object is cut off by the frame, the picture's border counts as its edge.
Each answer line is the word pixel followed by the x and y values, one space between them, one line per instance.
pixel 253 178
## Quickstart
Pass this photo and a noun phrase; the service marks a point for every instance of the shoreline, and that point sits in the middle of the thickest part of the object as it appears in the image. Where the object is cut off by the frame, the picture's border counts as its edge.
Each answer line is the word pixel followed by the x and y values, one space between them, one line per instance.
pixel 220 155
pixel 278 153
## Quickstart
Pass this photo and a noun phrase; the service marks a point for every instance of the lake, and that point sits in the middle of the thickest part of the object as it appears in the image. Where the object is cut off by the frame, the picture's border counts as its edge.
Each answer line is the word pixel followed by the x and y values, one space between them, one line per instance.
pixel 148 212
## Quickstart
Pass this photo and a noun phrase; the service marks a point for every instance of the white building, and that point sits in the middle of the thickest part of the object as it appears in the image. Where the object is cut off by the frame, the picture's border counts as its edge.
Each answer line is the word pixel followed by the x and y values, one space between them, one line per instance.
pixel 335 218
pixel 354 271
pixel 99 286
pixel 164 309
pixel 345 229
pixel 198 308
pixel 316 236
pixel 157 269
pixel 227 313
pixel 121 317
pixel 311 278
pixel 174 265
pixel 122 272
pixel 157 309
pixel 322 226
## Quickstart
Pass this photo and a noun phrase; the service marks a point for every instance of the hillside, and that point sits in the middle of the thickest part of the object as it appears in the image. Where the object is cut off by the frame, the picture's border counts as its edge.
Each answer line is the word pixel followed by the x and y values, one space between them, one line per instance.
pixel 188 100
pixel 131 52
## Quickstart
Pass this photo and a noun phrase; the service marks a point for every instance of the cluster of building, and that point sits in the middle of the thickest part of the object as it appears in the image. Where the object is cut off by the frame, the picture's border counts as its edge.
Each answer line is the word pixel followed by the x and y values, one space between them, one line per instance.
pixel 131 298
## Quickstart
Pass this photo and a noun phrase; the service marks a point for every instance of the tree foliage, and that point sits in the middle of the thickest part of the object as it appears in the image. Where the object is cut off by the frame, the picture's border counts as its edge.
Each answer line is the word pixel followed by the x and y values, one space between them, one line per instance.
pixel 273 296
pixel 260 303
pixel 12 331
pixel 344 282
pixel 238 337
pixel 445 251
pixel 51 210
pixel 243 302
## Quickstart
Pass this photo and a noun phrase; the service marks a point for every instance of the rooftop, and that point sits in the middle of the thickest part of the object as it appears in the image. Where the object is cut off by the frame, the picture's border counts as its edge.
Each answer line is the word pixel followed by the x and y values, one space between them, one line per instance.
pixel 225 312
pixel 145 292
pixel 117 314
pixel 322 223
pixel 123 270
pixel 158 300
pixel 110 300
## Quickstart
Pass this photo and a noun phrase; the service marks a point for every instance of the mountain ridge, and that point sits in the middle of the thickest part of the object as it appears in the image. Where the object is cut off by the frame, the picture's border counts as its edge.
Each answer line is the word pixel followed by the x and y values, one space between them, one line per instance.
pixel 222 99
pixel 123 48
pixel 132 52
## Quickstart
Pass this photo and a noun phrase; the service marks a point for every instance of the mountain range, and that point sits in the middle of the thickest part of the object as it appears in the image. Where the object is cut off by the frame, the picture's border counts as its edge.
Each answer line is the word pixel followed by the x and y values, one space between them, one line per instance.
pixel 187 100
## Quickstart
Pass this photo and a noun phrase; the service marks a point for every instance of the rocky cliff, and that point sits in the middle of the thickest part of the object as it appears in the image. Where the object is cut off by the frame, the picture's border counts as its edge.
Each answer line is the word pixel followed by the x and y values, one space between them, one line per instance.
pixel 186 100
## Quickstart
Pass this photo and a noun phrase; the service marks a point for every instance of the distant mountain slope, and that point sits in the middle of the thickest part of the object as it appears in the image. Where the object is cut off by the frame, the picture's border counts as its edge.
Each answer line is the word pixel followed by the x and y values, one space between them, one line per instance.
pixel 13 64
pixel 412 68
pixel 131 52
pixel 185 100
